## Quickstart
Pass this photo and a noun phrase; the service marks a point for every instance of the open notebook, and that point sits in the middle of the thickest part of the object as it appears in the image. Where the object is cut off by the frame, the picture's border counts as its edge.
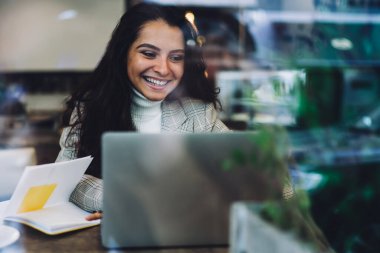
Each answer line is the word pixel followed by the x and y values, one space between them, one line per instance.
pixel 41 198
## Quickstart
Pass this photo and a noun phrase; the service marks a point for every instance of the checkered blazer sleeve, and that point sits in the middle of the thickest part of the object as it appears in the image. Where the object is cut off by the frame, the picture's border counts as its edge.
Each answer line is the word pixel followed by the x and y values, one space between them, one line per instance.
pixel 67 143
pixel 88 194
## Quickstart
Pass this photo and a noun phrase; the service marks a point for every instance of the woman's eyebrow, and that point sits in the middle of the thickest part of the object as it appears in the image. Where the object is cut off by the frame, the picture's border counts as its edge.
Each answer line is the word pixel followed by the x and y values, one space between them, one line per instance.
pixel 178 51
pixel 148 46
pixel 158 49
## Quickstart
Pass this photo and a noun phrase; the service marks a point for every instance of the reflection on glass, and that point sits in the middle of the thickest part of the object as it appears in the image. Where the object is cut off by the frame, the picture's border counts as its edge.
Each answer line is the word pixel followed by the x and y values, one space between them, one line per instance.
pixel 261 97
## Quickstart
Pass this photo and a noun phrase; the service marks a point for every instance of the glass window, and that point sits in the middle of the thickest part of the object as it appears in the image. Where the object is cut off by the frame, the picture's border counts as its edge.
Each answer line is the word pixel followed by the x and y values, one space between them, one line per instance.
pixel 312 69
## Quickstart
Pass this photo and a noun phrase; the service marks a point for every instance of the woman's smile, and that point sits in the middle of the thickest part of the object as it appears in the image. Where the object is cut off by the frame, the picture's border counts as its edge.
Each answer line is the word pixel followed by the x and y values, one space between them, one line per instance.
pixel 156 82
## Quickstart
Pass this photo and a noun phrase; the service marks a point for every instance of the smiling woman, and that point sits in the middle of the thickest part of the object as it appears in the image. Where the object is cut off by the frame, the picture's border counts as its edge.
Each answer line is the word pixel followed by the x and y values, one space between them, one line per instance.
pixel 151 78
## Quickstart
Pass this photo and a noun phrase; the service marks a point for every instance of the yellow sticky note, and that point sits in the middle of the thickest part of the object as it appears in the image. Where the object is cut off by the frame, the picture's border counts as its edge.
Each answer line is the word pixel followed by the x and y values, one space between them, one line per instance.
pixel 36 197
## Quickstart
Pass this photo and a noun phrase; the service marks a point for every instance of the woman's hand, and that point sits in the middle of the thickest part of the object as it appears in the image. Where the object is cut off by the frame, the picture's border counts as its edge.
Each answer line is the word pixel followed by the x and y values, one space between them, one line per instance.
pixel 95 216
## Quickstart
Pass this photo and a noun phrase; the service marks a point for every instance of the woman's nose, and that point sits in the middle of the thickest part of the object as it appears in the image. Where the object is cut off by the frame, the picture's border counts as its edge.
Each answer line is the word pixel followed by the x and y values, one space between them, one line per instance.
pixel 161 66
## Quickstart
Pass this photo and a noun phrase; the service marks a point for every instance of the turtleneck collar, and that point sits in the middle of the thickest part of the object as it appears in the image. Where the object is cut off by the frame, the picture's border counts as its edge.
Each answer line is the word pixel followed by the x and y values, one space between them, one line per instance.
pixel 146 113
pixel 144 107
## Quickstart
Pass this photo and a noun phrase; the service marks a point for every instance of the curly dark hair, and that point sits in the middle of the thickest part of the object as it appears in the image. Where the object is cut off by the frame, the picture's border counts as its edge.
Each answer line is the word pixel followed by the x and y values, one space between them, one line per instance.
pixel 103 102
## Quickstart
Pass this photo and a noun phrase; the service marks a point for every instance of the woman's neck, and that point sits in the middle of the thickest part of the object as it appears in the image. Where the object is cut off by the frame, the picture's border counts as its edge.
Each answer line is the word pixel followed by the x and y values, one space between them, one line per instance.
pixel 146 114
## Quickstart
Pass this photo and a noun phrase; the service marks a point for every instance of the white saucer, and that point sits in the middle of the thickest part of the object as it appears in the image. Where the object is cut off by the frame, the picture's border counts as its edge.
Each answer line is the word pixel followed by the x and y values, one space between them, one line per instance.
pixel 8 235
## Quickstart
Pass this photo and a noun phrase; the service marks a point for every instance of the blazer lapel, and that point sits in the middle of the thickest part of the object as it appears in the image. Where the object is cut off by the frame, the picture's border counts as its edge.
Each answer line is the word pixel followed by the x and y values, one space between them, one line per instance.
pixel 174 118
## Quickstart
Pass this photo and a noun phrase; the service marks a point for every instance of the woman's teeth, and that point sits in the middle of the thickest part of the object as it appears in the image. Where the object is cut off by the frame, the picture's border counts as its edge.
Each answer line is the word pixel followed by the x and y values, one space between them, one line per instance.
pixel 156 82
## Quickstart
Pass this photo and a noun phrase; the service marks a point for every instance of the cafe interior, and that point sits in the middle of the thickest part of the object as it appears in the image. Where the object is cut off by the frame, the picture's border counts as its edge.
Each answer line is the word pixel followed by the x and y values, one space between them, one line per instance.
pixel 307 67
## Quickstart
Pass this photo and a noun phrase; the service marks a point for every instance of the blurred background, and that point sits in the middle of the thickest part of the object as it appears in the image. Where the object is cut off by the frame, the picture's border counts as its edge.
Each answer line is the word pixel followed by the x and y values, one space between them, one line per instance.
pixel 309 66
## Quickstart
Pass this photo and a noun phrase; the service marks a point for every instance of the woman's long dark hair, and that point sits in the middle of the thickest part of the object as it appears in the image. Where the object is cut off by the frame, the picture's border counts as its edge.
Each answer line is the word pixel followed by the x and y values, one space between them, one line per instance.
pixel 103 102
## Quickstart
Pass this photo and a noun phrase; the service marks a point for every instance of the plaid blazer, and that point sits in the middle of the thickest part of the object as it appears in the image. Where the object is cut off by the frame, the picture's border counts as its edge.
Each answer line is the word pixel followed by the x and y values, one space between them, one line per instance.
pixel 185 116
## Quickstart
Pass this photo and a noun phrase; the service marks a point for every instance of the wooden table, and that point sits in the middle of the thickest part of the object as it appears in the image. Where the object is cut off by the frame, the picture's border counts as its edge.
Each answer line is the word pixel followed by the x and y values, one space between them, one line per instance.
pixel 85 240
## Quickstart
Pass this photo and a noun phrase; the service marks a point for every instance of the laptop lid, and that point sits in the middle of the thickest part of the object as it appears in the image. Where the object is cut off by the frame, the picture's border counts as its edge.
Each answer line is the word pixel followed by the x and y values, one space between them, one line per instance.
pixel 168 190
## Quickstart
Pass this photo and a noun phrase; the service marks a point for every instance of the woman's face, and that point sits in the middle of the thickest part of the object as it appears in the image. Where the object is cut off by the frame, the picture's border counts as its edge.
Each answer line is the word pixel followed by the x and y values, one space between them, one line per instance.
pixel 156 60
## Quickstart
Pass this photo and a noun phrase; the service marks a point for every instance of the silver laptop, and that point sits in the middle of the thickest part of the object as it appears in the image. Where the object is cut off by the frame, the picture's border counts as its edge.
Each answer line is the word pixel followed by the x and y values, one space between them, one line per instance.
pixel 169 190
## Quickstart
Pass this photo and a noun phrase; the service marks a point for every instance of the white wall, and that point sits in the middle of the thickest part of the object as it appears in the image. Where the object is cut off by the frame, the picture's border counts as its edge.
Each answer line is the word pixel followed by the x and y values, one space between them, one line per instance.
pixel 33 37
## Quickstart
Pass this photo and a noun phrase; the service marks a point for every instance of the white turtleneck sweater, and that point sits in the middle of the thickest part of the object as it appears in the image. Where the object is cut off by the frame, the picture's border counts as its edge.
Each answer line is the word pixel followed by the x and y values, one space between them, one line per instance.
pixel 146 114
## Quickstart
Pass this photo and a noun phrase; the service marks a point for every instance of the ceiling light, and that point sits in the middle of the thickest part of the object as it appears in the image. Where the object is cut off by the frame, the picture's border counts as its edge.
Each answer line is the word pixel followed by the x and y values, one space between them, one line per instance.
pixel 67 14
pixel 341 44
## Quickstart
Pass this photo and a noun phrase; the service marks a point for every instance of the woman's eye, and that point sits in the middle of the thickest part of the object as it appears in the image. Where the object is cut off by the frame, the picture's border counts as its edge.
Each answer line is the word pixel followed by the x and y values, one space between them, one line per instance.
pixel 148 54
pixel 177 58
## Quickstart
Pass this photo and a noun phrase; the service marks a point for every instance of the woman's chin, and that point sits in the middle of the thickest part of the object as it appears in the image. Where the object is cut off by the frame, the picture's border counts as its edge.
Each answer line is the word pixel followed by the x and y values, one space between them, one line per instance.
pixel 155 96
